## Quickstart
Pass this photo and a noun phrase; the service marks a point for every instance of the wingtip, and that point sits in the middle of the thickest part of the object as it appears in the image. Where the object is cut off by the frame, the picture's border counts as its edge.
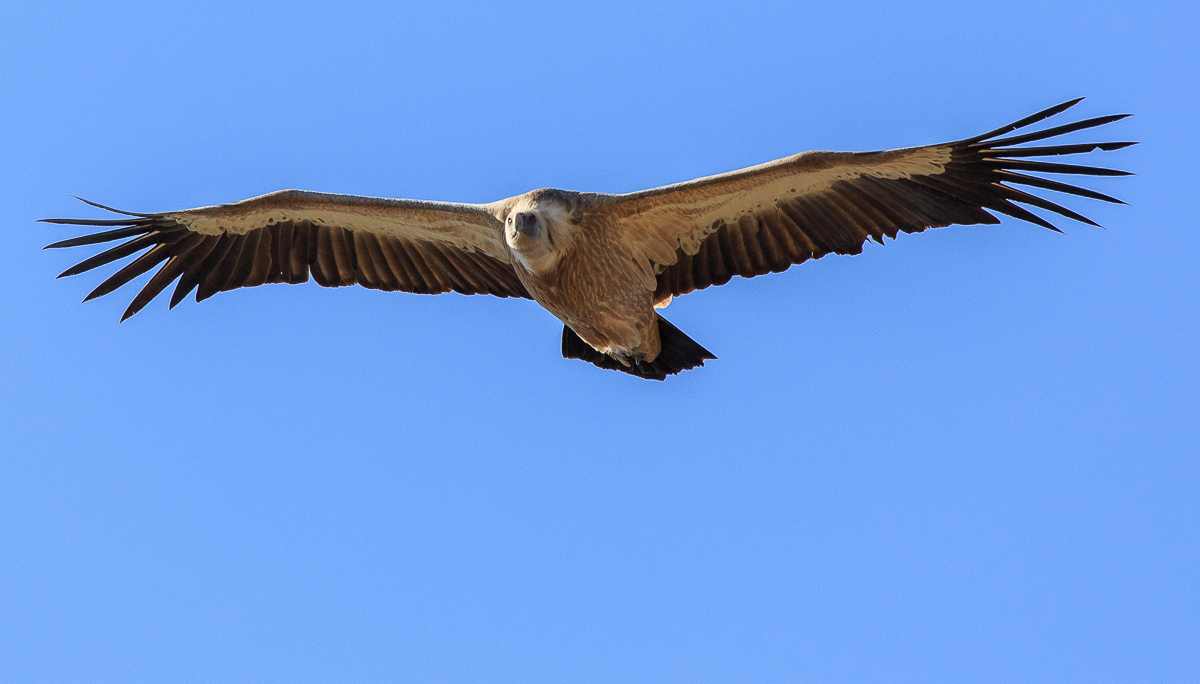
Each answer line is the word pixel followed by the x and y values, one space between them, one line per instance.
pixel 107 208
pixel 1025 122
pixel 1059 109
pixel 1053 111
pixel 1114 146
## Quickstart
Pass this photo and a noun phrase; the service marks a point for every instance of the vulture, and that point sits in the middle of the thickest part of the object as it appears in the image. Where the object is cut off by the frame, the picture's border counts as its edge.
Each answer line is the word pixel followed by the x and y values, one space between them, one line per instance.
pixel 603 264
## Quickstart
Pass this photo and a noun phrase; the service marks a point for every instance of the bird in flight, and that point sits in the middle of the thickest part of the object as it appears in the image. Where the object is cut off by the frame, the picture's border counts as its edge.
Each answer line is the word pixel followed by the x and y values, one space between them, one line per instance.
pixel 602 264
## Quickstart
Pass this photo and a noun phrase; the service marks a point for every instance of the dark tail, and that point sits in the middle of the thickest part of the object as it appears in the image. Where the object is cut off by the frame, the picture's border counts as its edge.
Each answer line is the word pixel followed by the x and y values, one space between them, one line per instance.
pixel 679 352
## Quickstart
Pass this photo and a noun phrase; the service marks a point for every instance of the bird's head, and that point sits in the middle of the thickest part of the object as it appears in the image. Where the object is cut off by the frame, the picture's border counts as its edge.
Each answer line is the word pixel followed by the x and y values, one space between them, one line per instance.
pixel 538 229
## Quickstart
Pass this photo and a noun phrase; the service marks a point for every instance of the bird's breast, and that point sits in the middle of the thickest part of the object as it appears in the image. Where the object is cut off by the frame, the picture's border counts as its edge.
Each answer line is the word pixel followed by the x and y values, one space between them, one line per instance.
pixel 597 293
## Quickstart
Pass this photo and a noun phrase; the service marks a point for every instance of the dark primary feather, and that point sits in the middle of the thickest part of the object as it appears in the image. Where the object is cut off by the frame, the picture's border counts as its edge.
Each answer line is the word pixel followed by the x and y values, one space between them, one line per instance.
pixel 1027 121
pixel 1059 149
pixel 1056 131
pixel 978 180
pixel 280 253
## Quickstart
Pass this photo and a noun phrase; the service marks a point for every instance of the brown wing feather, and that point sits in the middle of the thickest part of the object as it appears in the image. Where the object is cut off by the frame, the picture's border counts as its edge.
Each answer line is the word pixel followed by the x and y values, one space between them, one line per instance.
pixel 287 251
pixel 767 218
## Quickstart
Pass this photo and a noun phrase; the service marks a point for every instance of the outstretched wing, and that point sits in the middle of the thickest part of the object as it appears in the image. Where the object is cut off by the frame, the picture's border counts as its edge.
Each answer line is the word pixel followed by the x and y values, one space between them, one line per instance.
pixel 384 244
pixel 765 218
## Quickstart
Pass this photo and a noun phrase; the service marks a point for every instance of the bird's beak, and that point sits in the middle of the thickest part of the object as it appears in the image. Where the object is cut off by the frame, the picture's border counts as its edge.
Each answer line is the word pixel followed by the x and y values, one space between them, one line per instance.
pixel 526 223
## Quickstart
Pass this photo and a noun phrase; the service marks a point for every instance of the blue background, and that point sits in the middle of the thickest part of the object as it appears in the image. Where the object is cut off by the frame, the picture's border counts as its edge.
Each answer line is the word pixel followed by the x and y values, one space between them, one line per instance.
pixel 968 455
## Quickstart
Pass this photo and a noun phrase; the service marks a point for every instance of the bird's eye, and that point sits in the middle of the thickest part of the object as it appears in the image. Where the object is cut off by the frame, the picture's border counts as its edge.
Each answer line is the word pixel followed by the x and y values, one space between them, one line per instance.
pixel 510 220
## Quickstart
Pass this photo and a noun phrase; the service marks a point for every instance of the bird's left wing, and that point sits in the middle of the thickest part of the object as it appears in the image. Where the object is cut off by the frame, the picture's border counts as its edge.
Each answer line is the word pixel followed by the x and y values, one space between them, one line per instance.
pixel 765 218
pixel 384 244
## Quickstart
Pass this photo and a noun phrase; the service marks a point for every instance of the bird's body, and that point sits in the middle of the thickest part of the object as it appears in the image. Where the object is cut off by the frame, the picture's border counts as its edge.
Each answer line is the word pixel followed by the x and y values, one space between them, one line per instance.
pixel 600 263
pixel 591 284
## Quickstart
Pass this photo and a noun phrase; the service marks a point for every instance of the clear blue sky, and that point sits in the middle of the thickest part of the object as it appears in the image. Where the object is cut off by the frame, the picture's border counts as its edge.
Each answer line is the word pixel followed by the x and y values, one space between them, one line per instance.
pixel 965 456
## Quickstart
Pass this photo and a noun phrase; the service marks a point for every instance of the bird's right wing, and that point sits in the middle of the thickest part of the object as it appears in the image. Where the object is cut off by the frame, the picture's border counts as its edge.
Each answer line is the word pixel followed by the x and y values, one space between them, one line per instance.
pixel 384 244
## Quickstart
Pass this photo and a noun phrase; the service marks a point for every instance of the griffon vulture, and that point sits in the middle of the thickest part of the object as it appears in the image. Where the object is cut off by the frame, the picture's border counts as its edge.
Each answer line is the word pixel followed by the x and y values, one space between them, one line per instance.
pixel 601 263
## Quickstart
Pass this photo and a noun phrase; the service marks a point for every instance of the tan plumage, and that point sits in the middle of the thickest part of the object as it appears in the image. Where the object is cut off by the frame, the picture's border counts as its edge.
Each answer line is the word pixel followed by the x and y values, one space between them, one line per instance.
pixel 600 263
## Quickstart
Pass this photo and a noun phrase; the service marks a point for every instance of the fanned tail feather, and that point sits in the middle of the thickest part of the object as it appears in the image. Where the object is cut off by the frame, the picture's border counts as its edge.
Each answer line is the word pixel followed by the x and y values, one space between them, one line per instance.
pixel 679 353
